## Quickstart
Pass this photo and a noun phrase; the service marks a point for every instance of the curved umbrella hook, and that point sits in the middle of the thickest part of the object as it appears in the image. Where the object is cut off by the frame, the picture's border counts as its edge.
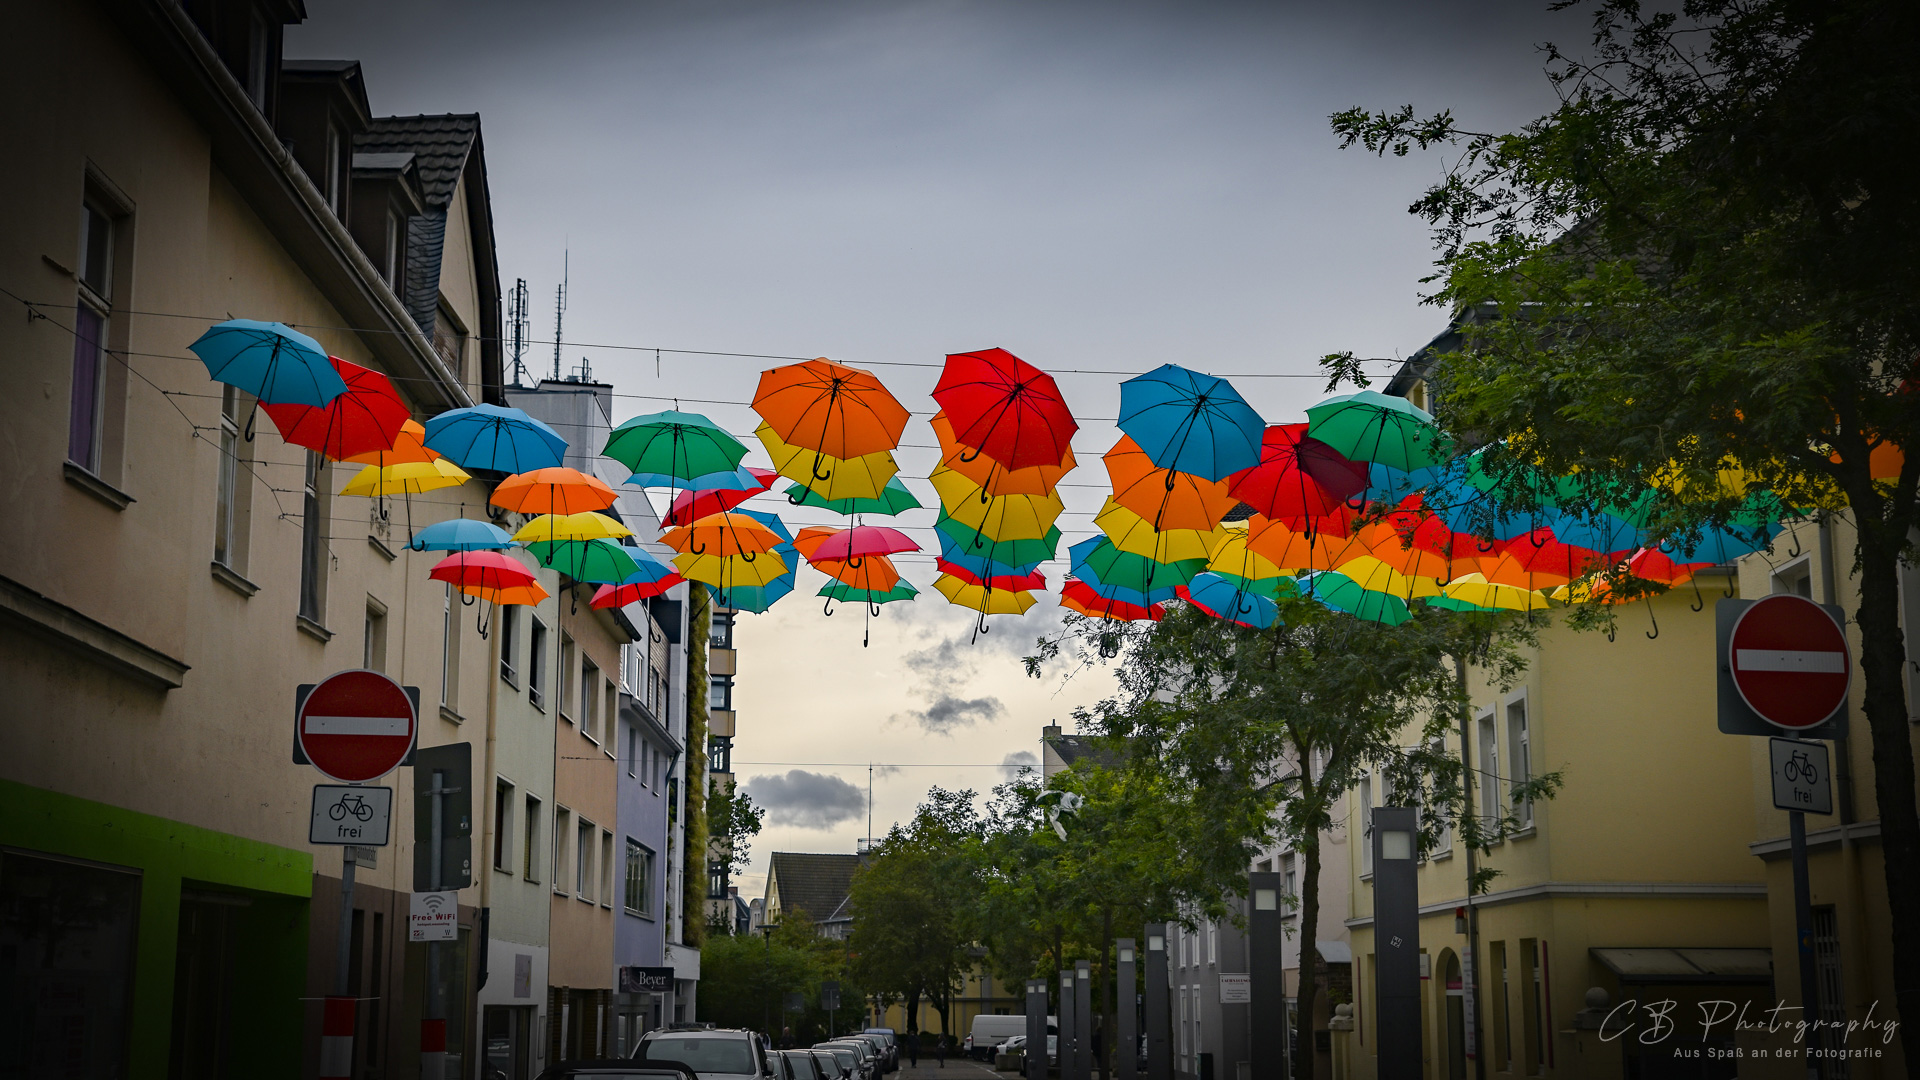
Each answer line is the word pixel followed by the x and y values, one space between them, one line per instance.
pixel 853 563
pixel 793 499
pixel 972 454
pixel 696 548
pixel 1486 544
pixel 1655 632
pixel 1699 601
pixel 749 556
pixel 984 497
pixel 817 474
pixel 467 599
pixel 1610 625
pixel 827 608
pixel 873 608
pixel 573 596
pixel 1795 553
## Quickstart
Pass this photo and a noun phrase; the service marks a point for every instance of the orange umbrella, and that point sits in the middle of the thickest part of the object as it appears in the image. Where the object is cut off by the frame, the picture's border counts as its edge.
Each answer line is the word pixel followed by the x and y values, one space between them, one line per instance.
pixel 989 475
pixel 1167 499
pixel 1289 549
pixel 839 411
pixel 1390 546
pixel 872 572
pixel 722 536
pixel 512 594
pixel 408 446
pixel 556 490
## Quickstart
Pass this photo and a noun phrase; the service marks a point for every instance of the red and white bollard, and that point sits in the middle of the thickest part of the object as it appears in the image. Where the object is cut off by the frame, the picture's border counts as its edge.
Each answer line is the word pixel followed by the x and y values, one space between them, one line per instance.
pixel 433 1049
pixel 336 1039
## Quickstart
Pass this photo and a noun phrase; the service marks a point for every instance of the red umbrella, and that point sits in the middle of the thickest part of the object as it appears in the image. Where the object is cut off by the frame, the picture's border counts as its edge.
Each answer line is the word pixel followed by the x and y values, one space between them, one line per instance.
pixel 1538 552
pixel 694 505
pixel 617 596
pixel 1421 529
pixel 365 419
pixel 1652 564
pixel 1005 408
pixel 824 542
pixel 1298 476
pixel 1077 595
pixel 1005 583
pixel 482 569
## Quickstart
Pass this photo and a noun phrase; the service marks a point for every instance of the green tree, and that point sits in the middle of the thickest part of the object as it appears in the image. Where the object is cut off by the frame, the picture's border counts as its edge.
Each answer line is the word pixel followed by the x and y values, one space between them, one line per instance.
pixel 733 820
pixel 744 979
pixel 1701 261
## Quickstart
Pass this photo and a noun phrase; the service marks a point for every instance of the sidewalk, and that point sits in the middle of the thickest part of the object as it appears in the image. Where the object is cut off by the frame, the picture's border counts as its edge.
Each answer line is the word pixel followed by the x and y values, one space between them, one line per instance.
pixel 959 1067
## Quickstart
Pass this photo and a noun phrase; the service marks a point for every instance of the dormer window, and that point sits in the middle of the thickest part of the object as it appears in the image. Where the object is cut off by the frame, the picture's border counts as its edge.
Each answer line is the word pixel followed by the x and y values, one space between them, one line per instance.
pixel 335 183
pixel 259 59
pixel 396 247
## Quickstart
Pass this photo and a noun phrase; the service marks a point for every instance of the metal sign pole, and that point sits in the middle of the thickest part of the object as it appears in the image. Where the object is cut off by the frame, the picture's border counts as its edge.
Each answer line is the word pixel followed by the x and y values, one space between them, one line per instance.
pixel 1126 1044
pixel 1266 979
pixel 433 1024
pixel 1159 1020
pixel 1082 1021
pixel 1036 1029
pixel 343 949
pixel 1803 933
pixel 1396 932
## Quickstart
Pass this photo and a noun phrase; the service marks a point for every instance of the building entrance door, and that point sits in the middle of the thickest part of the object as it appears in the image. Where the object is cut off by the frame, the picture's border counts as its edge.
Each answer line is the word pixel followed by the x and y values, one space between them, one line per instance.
pixel 505 1031
pixel 1456 1022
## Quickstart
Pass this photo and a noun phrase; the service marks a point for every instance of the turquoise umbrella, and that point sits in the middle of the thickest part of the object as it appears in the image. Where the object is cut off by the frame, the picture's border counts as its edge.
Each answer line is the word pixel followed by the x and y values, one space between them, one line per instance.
pixel 495 437
pixel 461 534
pixel 1191 423
pixel 274 362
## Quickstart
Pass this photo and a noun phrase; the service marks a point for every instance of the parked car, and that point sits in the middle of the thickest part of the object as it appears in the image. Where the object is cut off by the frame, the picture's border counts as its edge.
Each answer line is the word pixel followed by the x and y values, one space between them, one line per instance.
pixel 803 1065
pixel 869 1057
pixel 838 1067
pixel 849 1058
pixel 989 1031
pixel 710 1053
pixel 888 1060
pixel 612 1069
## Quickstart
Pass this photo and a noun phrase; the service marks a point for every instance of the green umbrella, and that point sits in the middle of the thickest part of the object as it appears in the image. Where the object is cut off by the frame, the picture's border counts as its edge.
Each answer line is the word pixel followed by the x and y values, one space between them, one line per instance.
pixel 1110 566
pixel 847 594
pixel 1452 604
pixel 1273 588
pixel 894 499
pixel 676 444
pixel 1342 593
pixel 1010 552
pixel 601 561
pixel 1374 427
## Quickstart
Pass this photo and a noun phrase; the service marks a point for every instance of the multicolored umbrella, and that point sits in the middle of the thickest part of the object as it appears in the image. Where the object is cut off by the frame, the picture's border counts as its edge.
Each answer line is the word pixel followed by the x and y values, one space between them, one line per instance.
pixel 528 595
pixel 272 361
pixel 848 594
pixel 1005 408
pixel 742 479
pixel 1374 427
pixel 1096 559
pixel 495 437
pixel 483 569
pixel 759 598
pixel 1077 595
pixel 835 410
pixel 677 446
pixel 1298 476
pixel 406 478
pixel 823 542
pixel 1032 581
pixel 1132 533
pixel 862 477
pixel 366 418
pixel 557 490
pixel 993 477
pixel 1289 548
pixel 1342 593
pixel 461 534
pixel 1480 594
pixel 1167 498
pixel 619 596
pixel 873 572
pixel 954 553
pixel 894 499
pixel 1191 423
pixel 1011 552
pixel 1001 517
pixel 407 446
pixel 732 571
pixel 981 599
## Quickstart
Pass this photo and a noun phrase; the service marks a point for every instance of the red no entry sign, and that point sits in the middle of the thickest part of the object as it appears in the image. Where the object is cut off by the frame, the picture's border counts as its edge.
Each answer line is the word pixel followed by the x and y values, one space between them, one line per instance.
pixel 1790 662
pixel 356 726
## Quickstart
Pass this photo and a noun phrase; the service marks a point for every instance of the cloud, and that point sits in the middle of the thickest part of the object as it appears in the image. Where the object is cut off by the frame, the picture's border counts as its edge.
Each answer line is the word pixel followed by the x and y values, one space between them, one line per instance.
pixel 807 800
pixel 1012 765
pixel 949 712
pixel 943 672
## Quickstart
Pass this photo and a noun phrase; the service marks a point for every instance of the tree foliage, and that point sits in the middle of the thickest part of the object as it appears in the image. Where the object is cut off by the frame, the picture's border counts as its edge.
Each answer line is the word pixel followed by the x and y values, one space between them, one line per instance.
pixel 733 820
pixel 745 981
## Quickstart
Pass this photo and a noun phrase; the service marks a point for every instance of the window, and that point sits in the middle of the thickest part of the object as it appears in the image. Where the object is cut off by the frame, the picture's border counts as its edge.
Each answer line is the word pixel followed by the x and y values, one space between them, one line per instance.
pixel 1532 1041
pixel 374 650
pixel 503 826
pixel 396 247
pixel 562 823
pixel 589 699
pixel 716 880
pixel 1443 838
pixel 530 857
pixel 259 60
pixel 583 861
pixel 1213 942
pixel 563 692
pixel 720 632
pixel 313 539
pixel 1289 882
pixel 229 510
pixel 537 664
pixel 1489 769
pixel 606 869
pixel 335 190
pixel 639 898
pixel 450 650
pixel 1365 799
pixel 720 694
pixel 720 754
pixel 1502 1016
pixel 1519 758
pixel 633 750
pixel 90 337
pixel 1795 578
pixel 610 716
pixel 508 617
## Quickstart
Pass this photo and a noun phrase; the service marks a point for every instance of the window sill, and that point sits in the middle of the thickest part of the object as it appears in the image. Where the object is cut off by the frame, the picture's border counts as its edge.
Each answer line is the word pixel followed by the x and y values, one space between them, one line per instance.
pixel 606 906
pixel 375 543
pixel 1521 834
pixel 313 629
pixel 86 481
pixel 503 870
pixel 587 900
pixel 507 676
pixel 228 576
pixel 1439 855
pixel 450 716
pixel 564 716
pixel 1367 877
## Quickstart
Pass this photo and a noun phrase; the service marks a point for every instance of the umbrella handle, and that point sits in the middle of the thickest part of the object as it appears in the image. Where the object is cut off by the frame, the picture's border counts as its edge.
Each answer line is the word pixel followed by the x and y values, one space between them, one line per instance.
pixel 817 474
pixel 749 556
pixel 696 547
pixel 972 454
pixel 984 497
pixel 1655 632
pixel 1699 601
pixel 873 608
pixel 466 599
pixel 827 608
pixel 1795 553
pixel 573 598
pixel 854 563
pixel 251 413
pixel 795 499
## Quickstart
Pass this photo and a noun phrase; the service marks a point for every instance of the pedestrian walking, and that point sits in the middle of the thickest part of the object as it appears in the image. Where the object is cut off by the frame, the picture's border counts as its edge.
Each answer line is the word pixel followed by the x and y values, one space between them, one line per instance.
pixel 913 1048
pixel 940 1050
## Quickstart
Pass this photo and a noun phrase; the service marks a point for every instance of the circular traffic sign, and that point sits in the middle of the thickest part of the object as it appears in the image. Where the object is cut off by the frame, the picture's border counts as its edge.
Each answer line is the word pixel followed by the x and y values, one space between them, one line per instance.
pixel 1790 662
pixel 356 726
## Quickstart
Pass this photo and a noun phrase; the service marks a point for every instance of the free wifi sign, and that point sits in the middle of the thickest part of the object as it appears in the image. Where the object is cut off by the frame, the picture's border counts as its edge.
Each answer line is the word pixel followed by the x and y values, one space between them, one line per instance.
pixel 434 916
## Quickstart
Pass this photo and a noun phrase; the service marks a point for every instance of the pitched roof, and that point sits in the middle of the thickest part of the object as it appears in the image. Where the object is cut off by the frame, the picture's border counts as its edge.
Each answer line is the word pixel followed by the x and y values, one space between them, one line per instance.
pixel 440 147
pixel 816 884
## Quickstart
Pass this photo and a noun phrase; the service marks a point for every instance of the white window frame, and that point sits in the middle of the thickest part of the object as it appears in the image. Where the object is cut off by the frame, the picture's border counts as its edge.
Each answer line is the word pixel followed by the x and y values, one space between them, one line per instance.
pixel 1486 729
pixel 1519 753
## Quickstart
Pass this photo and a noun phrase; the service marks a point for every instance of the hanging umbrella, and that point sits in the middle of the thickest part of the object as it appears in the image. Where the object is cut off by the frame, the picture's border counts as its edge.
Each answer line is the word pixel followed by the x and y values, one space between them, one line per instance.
pixel 1120 594
pixel 514 594
pixel 587 525
pixel 1033 581
pixel 832 409
pixel 1384 542
pixel 822 542
pixel 557 490
pixel 367 418
pixel 1003 517
pixel 1132 533
pixel 875 572
pixel 1541 552
pixel 725 535
pixel 954 553
pixel 1720 545
pixel 1342 593
pixel 1097 559
pixel 1077 595
pixel 1290 549
pixel 1373 427
pixel 742 479
pixel 862 477
pixel 1167 498
pixel 1005 408
pixel 407 447
pixel 894 499
pixel 981 599
pixel 731 571
pixel 1484 595
pixel 1652 564
pixel 272 361
pixel 772 522
pixel 678 445
pixel 1386 484
pixel 758 598
pixel 1298 476
pixel 488 569
pixel 693 504
pixel 601 561
pixel 848 594
pixel 1375 576
pixel 1005 551
pixel 461 534
pixel 991 476
pixel 632 592
pixel 1191 423
pixel 495 437
pixel 406 478
pixel 1226 600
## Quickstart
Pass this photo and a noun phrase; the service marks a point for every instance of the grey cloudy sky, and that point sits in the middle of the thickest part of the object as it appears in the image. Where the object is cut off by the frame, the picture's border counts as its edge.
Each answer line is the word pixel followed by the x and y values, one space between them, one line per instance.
pixel 1091 185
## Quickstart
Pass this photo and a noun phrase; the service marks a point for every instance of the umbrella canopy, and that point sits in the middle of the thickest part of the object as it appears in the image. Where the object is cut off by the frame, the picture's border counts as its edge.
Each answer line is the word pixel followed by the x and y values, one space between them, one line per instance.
pixel 1376 576
pixel 1386 484
pixel 874 572
pixel 487 569
pixel 270 360
pixel 954 553
pixel 1342 593
pixel 725 535
pixel 894 499
pixel 1167 498
pixel 836 410
pixel 630 592
pixel 1131 532
pixel 1386 543
pixel 367 418
pixel 848 594
pixel 406 478
pixel 999 517
pixel 1031 581
pixel 981 599
pixel 1298 476
pixel 1227 600
pixel 742 479
pixel 1653 564
pixel 993 477
pixel 1484 595
pixel 461 534
pixel 1290 549
pixel 828 477
pixel 495 437
pixel 1541 552
pixel 693 504
pixel 513 594
pixel 821 542
pixel 771 521
pixel 587 560
pixel 678 446
pixel 557 490
pixel 1005 408
pixel 1011 552
pixel 587 525
pixel 1719 545
pixel 407 446
pixel 731 571
pixel 1191 423
pixel 1077 595
pixel 1096 559
pixel 1373 427
pixel 756 598
pixel 1120 594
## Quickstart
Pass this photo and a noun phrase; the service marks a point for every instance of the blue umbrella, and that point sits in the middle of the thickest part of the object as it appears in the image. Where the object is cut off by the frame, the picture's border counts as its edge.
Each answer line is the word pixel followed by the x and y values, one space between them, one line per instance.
pixel 736 480
pixel 1223 599
pixel 275 363
pixel 771 521
pixel 492 437
pixel 1081 565
pixel 1718 545
pixel 1390 484
pixel 1191 423
pixel 461 534
pixel 980 566
pixel 651 569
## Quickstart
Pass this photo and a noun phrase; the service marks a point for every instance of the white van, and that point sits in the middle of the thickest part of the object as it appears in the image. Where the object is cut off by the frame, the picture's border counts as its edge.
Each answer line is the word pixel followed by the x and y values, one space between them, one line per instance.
pixel 990 1031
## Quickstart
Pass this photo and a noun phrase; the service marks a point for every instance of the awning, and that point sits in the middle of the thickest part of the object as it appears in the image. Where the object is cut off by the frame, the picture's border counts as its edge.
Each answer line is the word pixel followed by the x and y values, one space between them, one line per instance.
pixel 1334 952
pixel 1681 965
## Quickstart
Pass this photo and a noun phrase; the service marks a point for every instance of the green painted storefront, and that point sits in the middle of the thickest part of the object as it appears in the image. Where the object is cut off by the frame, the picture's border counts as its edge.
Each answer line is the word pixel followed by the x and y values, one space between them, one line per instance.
pixel 216 926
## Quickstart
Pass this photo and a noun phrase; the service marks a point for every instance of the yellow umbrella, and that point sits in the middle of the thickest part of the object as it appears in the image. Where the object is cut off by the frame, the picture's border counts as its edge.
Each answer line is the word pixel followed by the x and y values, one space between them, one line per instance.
pixel 405 478
pixel 1230 555
pixel 1136 535
pixel 830 478
pixel 588 525
pixel 1478 591
pixel 730 571
pixel 1375 576
pixel 997 517
pixel 982 599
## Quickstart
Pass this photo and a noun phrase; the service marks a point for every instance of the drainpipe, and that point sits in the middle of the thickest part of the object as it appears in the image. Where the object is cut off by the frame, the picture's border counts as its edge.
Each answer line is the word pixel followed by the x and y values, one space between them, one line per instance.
pixel 1843 758
pixel 1470 970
